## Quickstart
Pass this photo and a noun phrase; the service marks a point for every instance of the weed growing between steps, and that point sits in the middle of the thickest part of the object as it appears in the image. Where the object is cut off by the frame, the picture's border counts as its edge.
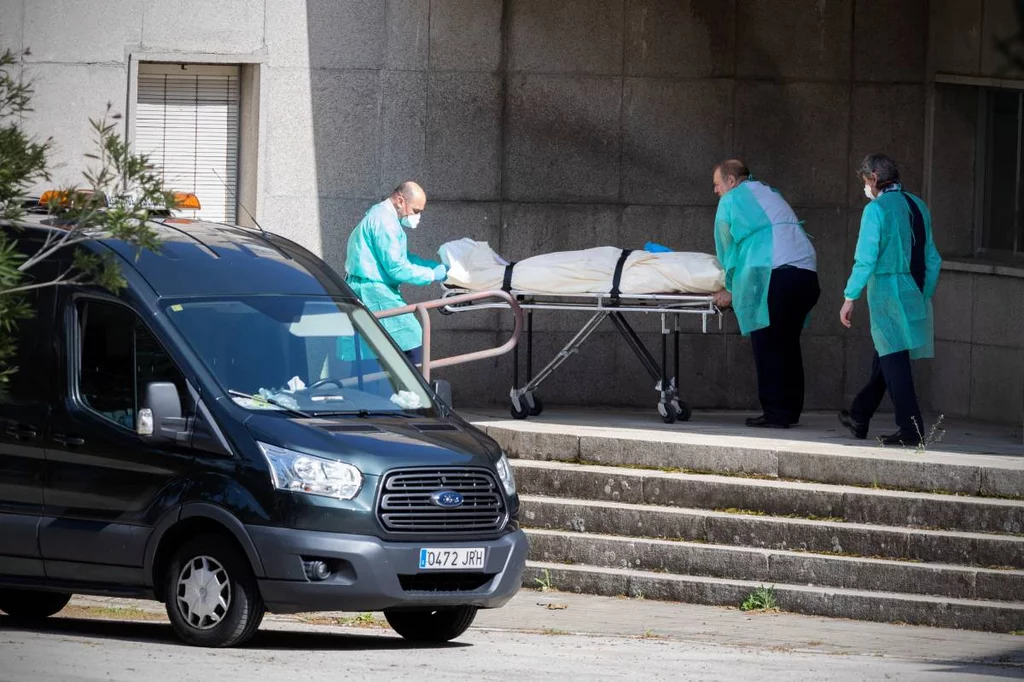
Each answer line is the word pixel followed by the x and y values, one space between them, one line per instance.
pixel 687 470
pixel 545 581
pixel 758 512
pixel 875 485
pixel 854 555
pixel 934 436
pixel 761 599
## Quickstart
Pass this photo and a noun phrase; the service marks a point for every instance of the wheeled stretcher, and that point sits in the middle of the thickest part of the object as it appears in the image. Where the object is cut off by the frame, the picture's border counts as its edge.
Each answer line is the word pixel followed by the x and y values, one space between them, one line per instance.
pixel 615 307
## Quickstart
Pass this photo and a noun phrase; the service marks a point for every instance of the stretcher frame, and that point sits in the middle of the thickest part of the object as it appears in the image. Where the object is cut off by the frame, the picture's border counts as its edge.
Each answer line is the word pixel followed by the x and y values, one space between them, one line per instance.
pixel 524 399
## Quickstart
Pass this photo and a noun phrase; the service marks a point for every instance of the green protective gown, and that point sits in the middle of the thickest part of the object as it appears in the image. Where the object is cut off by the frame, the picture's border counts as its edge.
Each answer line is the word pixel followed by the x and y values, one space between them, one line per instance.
pixel 743 244
pixel 377 263
pixel 901 314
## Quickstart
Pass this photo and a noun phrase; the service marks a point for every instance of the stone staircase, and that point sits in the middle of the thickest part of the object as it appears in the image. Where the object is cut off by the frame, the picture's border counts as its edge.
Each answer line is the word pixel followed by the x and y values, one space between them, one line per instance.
pixel 941 545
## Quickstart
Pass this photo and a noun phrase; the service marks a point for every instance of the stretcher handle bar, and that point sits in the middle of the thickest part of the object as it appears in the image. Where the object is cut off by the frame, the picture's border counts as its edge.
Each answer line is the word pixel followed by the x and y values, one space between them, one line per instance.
pixel 667 296
pixel 423 311
pixel 675 309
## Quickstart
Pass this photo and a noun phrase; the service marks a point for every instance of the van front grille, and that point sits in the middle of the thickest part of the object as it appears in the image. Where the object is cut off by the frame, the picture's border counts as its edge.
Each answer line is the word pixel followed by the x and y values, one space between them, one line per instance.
pixel 406 506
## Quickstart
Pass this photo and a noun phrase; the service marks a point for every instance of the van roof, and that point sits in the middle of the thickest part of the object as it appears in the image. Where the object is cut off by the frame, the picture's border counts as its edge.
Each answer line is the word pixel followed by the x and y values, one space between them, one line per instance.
pixel 198 258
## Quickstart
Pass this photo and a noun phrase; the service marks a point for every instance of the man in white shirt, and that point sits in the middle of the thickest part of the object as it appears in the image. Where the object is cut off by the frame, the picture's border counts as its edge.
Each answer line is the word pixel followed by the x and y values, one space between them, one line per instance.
pixel 771 281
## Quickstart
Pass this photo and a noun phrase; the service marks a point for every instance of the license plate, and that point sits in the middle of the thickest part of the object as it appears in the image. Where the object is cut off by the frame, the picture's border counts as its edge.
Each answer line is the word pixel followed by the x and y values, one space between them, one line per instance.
pixel 456 558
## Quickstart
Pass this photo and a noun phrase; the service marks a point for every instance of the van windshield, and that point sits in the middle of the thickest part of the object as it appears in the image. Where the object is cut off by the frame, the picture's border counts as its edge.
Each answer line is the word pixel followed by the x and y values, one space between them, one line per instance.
pixel 299 354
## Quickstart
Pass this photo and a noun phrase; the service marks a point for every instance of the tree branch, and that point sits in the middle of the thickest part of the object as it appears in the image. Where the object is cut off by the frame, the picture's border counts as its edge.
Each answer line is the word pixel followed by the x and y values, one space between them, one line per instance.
pixel 64 241
pixel 61 279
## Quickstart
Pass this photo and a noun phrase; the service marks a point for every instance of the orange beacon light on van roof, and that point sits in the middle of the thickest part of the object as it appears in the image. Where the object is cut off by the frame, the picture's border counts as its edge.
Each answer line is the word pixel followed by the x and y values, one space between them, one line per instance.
pixel 186 201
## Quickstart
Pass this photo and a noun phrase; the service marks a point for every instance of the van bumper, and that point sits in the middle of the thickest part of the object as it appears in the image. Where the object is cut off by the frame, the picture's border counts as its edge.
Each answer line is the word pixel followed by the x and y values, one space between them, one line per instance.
pixel 370 574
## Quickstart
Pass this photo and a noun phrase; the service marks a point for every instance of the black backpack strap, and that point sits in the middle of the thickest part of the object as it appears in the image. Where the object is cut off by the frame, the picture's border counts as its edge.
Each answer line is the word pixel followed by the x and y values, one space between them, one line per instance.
pixel 506 284
pixel 617 277
pixel 917 247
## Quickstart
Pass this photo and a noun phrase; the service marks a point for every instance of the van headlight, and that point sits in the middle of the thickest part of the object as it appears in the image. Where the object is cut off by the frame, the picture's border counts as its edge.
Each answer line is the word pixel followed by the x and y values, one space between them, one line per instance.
pixel 505 474
pixel 298 472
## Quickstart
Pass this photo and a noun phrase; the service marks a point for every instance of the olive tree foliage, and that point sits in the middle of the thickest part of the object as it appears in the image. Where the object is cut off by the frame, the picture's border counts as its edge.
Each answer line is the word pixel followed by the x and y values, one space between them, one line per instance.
pixel 119 193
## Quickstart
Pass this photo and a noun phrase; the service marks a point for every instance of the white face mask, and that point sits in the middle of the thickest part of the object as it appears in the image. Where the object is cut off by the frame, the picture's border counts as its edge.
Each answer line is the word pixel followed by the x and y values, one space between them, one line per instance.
pixel 411 221
pixel 867 192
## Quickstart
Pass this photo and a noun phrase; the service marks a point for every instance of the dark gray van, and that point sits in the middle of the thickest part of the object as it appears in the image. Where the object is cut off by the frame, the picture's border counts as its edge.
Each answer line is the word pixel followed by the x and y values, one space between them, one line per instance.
pixel 233 434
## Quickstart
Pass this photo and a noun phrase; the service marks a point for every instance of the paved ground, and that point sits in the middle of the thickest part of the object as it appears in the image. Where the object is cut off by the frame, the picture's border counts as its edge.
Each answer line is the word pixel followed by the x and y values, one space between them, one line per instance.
pixel 550 635
pixel 963 441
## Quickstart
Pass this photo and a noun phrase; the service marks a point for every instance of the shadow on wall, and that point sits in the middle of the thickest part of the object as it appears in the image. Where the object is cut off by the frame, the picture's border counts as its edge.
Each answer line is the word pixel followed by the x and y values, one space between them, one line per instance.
pixel 553 137
pixel 1012 47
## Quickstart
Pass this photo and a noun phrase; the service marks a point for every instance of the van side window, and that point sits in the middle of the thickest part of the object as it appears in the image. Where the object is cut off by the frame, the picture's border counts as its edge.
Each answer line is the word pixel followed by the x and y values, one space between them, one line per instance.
pixel 118 357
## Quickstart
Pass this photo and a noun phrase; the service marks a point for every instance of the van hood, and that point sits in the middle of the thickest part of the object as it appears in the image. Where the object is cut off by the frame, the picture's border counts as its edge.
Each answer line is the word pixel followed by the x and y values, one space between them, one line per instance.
pixel 378 444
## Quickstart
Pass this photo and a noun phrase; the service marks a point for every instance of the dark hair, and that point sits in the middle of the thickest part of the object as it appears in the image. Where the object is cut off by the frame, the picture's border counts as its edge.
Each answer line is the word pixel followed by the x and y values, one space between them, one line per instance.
pixel 882 167
pixel 733 168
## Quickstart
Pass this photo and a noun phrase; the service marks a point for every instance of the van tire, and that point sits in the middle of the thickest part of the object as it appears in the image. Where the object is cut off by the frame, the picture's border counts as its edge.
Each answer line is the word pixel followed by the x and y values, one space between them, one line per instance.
pixel 440 624
pixel 210 561
pixel 29 605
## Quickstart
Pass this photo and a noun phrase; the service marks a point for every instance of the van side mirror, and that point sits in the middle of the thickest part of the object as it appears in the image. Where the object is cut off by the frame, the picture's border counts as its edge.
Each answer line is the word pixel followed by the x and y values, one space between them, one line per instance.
pixel 160 415
pixel 443 389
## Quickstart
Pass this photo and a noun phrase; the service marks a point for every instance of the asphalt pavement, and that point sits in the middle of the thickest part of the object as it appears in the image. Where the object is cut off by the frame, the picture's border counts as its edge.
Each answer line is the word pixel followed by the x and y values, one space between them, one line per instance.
pixel 537 636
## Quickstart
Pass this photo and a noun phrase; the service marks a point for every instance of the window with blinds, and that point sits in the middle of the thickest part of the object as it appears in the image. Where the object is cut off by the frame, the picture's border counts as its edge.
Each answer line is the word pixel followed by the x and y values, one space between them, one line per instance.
pixel 187 122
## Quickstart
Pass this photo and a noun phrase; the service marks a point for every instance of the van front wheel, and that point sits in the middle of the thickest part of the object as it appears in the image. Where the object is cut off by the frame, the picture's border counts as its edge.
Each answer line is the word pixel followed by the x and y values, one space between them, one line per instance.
pixel 32 604
pixel 431 624
pixel 212 596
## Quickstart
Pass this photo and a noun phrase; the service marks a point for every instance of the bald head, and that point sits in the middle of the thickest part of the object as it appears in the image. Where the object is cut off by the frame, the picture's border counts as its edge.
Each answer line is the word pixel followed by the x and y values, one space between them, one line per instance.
pixel 410 191
pixel 728 174
pixel 409 199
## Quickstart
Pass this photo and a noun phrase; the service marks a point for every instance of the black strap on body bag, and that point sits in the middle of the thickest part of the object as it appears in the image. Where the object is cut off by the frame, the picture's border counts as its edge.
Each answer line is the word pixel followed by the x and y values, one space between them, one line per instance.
pixel 506 283
pixel 617 277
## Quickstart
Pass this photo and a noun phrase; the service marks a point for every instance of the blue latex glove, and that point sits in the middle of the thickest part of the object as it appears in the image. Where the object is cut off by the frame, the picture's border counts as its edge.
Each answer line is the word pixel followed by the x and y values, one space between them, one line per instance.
pixel 654 247
pixel 441 273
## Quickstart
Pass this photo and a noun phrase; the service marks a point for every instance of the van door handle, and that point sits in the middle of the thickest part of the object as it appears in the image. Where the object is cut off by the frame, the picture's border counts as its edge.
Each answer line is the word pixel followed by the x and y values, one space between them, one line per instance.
pixel 69 441
pixel 20 432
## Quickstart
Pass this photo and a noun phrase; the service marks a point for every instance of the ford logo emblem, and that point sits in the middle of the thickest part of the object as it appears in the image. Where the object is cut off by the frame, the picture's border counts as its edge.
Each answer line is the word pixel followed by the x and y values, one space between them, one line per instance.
pixel 449 499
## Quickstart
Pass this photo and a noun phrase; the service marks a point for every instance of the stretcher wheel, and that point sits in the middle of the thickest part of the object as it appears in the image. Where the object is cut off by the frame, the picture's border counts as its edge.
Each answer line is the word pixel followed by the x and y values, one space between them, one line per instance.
pixel 537 408
pixel 522 412
pixel 668 412
pixel 683 410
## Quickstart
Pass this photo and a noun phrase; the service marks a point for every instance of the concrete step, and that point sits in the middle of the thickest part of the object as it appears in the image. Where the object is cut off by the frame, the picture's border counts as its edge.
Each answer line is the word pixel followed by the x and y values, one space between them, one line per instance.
pixel 772 532
pixel 835 462
pixel 813 500
pixel 775 566
pixel 833 602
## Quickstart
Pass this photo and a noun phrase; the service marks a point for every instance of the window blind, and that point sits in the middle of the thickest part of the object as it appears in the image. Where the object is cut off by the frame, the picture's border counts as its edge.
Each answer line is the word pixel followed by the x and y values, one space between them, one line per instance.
pixel 188 125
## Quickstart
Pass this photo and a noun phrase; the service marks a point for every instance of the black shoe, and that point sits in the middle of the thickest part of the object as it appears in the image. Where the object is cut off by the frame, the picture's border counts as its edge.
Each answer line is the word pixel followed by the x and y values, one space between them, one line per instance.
pixel 900 438
pixel 763 422
pixel 859 431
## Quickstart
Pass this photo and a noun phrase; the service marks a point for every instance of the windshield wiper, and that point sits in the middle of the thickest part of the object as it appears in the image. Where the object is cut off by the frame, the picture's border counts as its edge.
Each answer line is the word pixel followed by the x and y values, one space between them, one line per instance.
pixel 366 414
pixel 275 403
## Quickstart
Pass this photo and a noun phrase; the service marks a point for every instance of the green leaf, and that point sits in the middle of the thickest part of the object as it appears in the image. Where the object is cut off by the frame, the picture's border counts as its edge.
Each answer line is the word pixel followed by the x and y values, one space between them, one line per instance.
pixel 121 191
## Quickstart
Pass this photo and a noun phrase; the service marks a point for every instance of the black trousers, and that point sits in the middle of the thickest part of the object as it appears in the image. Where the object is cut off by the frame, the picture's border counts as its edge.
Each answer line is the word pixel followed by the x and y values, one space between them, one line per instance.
pixel 792 293
pixel 415 355
pixel 890 372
